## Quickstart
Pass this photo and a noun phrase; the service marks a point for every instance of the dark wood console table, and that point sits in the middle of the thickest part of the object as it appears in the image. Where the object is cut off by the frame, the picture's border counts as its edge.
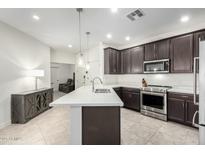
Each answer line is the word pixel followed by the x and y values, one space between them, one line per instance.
pixel 27 105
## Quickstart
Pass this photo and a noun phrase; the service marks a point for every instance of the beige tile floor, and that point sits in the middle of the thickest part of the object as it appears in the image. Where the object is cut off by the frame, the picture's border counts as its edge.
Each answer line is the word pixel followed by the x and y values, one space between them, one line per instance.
pixel 52 127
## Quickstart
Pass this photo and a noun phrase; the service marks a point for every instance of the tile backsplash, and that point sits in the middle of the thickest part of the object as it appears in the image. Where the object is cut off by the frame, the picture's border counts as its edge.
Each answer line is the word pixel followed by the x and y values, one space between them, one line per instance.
pixel 110 79
pixel 158 79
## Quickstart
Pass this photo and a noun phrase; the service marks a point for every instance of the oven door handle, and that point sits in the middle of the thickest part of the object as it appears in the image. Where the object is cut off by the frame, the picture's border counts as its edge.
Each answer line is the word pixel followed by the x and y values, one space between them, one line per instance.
pixel 152 93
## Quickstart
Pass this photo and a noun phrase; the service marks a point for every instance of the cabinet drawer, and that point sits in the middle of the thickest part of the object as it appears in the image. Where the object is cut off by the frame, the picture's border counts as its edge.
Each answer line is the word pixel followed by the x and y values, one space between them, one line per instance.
pixel 135 90
pixel 181 96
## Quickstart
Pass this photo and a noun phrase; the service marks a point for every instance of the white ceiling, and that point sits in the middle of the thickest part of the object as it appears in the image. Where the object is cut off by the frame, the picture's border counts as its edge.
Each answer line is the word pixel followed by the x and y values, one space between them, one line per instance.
pixel 59 27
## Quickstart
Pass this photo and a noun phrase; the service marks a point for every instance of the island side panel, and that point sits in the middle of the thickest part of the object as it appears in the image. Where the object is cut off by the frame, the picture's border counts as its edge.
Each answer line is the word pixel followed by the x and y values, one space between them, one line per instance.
pixel 101 125
pixel 76 125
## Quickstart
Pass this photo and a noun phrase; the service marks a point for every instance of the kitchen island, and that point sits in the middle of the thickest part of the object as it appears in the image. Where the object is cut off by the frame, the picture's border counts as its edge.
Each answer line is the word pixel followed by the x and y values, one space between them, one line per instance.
pixel 94 117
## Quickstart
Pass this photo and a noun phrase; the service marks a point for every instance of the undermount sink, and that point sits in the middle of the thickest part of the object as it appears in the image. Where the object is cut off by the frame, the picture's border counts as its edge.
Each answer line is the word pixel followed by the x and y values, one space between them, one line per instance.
pixel 102 90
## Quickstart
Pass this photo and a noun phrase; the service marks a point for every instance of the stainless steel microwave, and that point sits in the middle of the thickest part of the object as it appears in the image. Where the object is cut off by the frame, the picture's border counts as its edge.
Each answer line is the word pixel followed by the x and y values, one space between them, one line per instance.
pixel 157 66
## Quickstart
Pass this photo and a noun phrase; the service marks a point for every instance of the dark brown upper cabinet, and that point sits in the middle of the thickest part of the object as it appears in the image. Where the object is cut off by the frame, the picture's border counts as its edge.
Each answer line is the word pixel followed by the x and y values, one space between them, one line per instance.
pixel 182 54
pixel 149 53
pixel 162 49
pixel 137 59
pixel 157 50
pixel 112 61
pixel 126 61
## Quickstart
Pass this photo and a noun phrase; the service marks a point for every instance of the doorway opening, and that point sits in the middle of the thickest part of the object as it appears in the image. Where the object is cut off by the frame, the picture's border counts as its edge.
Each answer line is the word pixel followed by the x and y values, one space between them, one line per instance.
pixel 62 78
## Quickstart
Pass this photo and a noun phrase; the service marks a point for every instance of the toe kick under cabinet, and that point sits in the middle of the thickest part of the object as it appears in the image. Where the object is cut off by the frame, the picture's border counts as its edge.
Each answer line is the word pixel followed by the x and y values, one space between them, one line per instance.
pixel 27 105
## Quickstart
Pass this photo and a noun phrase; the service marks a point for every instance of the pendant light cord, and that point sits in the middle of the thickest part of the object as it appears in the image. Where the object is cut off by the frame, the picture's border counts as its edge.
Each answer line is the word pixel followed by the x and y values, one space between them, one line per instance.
pixel 80 32
pixel 88 33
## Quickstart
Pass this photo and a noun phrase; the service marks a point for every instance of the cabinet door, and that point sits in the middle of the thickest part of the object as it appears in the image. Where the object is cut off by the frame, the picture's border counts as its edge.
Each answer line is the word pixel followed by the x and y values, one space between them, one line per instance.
pixel 136 101
pixel 113 61
pixel 107 61
pixel 176 109
pixel 182 54
pixel 29 106
pixel 131 100
pixel 137 59
pixel 150 52
pixel 190 110
pixel 100 125
pixel 126 61
pixel 162 49
pixel 118 57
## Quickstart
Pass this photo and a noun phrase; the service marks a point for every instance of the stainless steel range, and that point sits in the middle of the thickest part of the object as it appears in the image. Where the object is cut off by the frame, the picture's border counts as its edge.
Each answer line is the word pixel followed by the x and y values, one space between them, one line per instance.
pixel 154 101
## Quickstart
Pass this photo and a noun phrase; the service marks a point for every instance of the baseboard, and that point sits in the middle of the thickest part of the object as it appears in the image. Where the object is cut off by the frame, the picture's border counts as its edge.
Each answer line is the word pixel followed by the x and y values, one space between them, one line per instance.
pixel 4 124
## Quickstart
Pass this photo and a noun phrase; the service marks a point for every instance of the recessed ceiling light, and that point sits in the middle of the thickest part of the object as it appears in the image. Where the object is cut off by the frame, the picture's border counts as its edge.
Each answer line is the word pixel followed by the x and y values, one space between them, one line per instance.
pixel 109 36
pixel 70 46
pixel 36 17
pixel 184 18
pixel 127 38
pixel 114 10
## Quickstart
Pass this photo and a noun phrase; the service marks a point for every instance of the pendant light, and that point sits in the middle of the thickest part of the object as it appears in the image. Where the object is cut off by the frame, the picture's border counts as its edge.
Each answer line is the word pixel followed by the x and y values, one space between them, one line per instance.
pixel 80 62
pixel 87 65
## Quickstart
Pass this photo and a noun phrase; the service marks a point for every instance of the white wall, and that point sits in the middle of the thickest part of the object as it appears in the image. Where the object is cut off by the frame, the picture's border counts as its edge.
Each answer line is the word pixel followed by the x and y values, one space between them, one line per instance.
pixel 18 53
pixel 95 58
pixel 61 56
pixel 65 71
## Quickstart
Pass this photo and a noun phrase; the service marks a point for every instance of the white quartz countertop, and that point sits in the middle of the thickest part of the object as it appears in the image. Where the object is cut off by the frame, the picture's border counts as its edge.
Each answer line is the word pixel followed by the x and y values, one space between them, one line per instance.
pixel 186 90
pixel 177 89
pixel 84 96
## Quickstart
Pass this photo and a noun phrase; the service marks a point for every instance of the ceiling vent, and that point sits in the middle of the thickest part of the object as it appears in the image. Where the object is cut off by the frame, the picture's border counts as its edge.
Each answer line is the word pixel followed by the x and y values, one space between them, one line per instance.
pixel 135 15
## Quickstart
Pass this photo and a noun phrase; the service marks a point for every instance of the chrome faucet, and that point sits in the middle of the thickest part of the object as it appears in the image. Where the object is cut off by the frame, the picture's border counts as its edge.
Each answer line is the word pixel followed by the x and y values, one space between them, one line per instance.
pixel 93 82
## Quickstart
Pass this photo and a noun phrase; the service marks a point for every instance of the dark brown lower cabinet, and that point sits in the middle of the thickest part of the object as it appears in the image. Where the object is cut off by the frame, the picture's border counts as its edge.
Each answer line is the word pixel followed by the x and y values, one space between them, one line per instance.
pixel 181 108
pixel 131 98
pixel 190 110
pixel 118 91
pixel 176 109
pixel 101 125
